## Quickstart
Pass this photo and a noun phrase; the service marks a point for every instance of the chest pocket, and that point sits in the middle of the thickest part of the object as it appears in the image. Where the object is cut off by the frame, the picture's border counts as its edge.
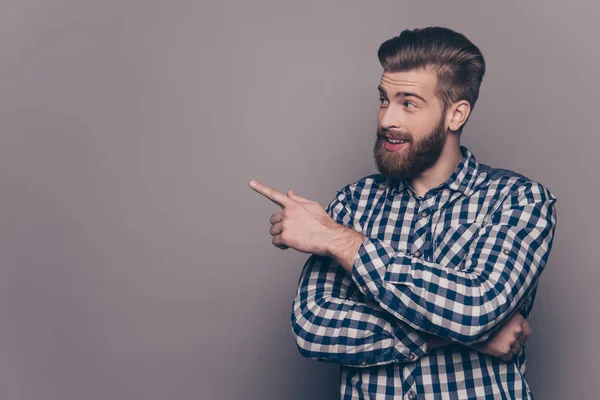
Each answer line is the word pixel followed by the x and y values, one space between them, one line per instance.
pixel 451 244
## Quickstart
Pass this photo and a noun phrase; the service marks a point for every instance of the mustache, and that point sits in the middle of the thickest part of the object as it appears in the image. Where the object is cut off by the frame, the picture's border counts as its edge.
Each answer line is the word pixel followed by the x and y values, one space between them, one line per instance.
pixel 394 135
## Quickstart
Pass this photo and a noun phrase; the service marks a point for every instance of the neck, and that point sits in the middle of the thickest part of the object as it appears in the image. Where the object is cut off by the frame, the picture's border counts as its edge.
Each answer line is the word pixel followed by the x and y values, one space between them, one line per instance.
pixel 439 172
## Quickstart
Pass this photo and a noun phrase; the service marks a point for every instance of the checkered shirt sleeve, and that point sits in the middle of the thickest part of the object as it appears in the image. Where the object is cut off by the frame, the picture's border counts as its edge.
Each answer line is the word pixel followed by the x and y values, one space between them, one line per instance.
pixel 466 304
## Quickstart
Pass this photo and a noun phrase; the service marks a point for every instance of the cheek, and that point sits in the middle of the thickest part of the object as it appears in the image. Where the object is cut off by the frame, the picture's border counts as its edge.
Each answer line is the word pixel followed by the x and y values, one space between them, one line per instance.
pixel 421 125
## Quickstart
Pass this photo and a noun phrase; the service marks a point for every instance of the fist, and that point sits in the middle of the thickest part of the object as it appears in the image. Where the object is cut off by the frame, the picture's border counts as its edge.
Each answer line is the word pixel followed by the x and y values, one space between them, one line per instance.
pixel 507 342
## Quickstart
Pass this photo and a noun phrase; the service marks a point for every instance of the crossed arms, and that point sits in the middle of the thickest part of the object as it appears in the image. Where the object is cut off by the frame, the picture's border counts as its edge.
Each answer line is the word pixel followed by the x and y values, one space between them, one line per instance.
pixel 403 299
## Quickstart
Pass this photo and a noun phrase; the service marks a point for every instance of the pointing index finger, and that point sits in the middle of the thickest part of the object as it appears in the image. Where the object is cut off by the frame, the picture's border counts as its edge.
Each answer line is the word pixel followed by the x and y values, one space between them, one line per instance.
pixel 278 198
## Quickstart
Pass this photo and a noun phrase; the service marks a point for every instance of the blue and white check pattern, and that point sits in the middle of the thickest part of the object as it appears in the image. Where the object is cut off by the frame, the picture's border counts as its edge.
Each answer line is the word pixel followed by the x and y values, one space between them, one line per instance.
pixel 456 263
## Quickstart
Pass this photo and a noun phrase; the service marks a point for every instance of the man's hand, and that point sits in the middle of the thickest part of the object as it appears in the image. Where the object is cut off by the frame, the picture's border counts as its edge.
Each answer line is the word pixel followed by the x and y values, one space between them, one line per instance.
pixel 504 344
pixel 507 342
pixel 302 224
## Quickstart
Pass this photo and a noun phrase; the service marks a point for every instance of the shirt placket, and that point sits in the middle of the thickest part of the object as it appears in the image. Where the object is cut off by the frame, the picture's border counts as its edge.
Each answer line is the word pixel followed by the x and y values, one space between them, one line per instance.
pixel 421 243
pixel 409 385
pixel 421 248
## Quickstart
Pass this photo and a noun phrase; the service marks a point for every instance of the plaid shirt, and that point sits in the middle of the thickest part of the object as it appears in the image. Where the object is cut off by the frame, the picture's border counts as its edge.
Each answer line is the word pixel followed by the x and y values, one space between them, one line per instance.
pixel 456 263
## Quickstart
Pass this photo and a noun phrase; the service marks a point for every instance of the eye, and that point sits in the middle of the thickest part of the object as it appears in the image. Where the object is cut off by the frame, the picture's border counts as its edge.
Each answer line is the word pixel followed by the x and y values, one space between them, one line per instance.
pixel 409 104
pixel 382 101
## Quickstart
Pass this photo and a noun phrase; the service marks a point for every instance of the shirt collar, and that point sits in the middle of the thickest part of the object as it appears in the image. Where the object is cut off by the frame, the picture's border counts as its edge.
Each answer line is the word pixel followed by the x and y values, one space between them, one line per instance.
pixel 461 180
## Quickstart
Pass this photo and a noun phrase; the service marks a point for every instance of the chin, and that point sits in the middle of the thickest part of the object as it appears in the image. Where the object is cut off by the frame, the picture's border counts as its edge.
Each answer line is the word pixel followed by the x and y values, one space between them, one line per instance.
pixel 391 172
pixel 388 166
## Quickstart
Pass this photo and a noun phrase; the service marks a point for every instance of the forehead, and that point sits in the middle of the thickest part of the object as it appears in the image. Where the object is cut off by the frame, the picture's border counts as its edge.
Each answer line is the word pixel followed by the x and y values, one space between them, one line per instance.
pixel 420 81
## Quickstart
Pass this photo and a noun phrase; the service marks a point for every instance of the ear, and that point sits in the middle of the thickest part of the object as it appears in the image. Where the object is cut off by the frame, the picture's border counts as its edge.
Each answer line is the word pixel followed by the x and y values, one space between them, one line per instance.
pixel 457 115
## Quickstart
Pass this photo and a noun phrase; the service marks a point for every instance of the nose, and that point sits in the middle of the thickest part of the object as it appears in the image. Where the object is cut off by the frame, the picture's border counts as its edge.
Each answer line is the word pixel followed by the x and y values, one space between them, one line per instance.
pixel 386 118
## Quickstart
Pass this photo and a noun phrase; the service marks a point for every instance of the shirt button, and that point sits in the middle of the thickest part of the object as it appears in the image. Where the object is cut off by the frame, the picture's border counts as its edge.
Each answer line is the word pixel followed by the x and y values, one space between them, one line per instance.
pixel 363 363
pixel 412 356
pixel 411 395
pixel 364 288
pixel 506 251
pixel 417 253
pixel 423 214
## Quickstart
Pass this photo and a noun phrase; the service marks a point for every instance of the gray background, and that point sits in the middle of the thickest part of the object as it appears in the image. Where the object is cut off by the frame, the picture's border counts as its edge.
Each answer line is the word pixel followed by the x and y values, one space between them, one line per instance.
pixel 136 263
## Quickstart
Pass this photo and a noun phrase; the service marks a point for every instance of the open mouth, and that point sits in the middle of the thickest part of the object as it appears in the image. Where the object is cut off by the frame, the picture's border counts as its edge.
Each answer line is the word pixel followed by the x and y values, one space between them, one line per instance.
pixel 395 144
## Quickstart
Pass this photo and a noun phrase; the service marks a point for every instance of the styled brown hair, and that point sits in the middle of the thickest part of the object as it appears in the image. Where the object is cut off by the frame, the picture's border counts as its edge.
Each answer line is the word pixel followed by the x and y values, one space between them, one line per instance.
pixel 458 62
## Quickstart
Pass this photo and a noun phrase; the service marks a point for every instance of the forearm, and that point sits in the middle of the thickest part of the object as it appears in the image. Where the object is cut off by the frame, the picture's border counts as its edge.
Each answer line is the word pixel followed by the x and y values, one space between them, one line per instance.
pixel 466 304
pixel 462 306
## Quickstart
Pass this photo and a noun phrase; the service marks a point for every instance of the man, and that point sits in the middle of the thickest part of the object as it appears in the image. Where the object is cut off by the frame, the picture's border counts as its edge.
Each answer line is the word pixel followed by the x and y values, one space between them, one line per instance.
pixel 422 276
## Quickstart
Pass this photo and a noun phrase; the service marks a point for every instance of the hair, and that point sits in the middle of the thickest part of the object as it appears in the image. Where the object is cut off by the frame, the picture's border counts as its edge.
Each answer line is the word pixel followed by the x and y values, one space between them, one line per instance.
pixel 458 63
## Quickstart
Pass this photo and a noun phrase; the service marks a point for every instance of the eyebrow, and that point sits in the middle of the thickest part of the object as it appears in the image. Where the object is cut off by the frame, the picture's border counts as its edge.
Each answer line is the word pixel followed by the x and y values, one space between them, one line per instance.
pixel 402 94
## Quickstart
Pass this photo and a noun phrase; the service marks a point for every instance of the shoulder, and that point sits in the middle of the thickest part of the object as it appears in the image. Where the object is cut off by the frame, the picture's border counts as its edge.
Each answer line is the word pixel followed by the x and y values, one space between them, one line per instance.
pixel 511 185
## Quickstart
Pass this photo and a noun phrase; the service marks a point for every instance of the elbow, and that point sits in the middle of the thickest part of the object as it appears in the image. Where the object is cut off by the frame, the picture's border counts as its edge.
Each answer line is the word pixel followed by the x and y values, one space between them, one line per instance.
pixel 304 339
pixel 306 352
pixel 305 342
pixel 309 343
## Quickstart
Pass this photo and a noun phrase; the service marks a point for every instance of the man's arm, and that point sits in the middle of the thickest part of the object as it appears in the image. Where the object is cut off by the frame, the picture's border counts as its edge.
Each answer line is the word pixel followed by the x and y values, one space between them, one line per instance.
pixel 500 271
pixel 329 326
pixel 311 229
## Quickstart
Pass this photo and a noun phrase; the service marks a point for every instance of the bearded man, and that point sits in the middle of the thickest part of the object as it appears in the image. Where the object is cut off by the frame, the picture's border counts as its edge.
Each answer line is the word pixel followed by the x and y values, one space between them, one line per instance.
pixel 422 276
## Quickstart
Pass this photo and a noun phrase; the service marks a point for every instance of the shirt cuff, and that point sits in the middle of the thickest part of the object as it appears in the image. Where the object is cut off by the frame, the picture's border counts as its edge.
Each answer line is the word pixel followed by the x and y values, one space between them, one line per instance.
pixel 376 262
pixel 412 346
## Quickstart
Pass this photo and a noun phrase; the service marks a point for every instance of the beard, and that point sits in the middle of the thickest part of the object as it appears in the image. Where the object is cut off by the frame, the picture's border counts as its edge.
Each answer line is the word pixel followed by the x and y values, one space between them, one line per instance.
pixel 415 158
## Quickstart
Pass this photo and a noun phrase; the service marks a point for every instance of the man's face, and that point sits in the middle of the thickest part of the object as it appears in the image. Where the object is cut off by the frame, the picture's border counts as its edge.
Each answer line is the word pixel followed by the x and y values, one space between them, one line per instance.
pixel 411 112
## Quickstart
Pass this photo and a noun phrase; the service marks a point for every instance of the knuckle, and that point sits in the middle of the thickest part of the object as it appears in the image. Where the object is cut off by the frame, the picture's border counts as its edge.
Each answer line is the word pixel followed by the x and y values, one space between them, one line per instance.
pixel 518 329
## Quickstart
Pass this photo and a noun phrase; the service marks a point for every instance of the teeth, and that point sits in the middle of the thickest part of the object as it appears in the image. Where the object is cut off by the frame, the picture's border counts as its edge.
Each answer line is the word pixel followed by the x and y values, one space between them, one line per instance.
pixel 396 141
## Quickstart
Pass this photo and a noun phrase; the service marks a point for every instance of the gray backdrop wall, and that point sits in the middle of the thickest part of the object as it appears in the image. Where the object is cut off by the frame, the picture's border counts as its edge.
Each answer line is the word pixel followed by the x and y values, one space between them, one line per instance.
pixel 136 263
